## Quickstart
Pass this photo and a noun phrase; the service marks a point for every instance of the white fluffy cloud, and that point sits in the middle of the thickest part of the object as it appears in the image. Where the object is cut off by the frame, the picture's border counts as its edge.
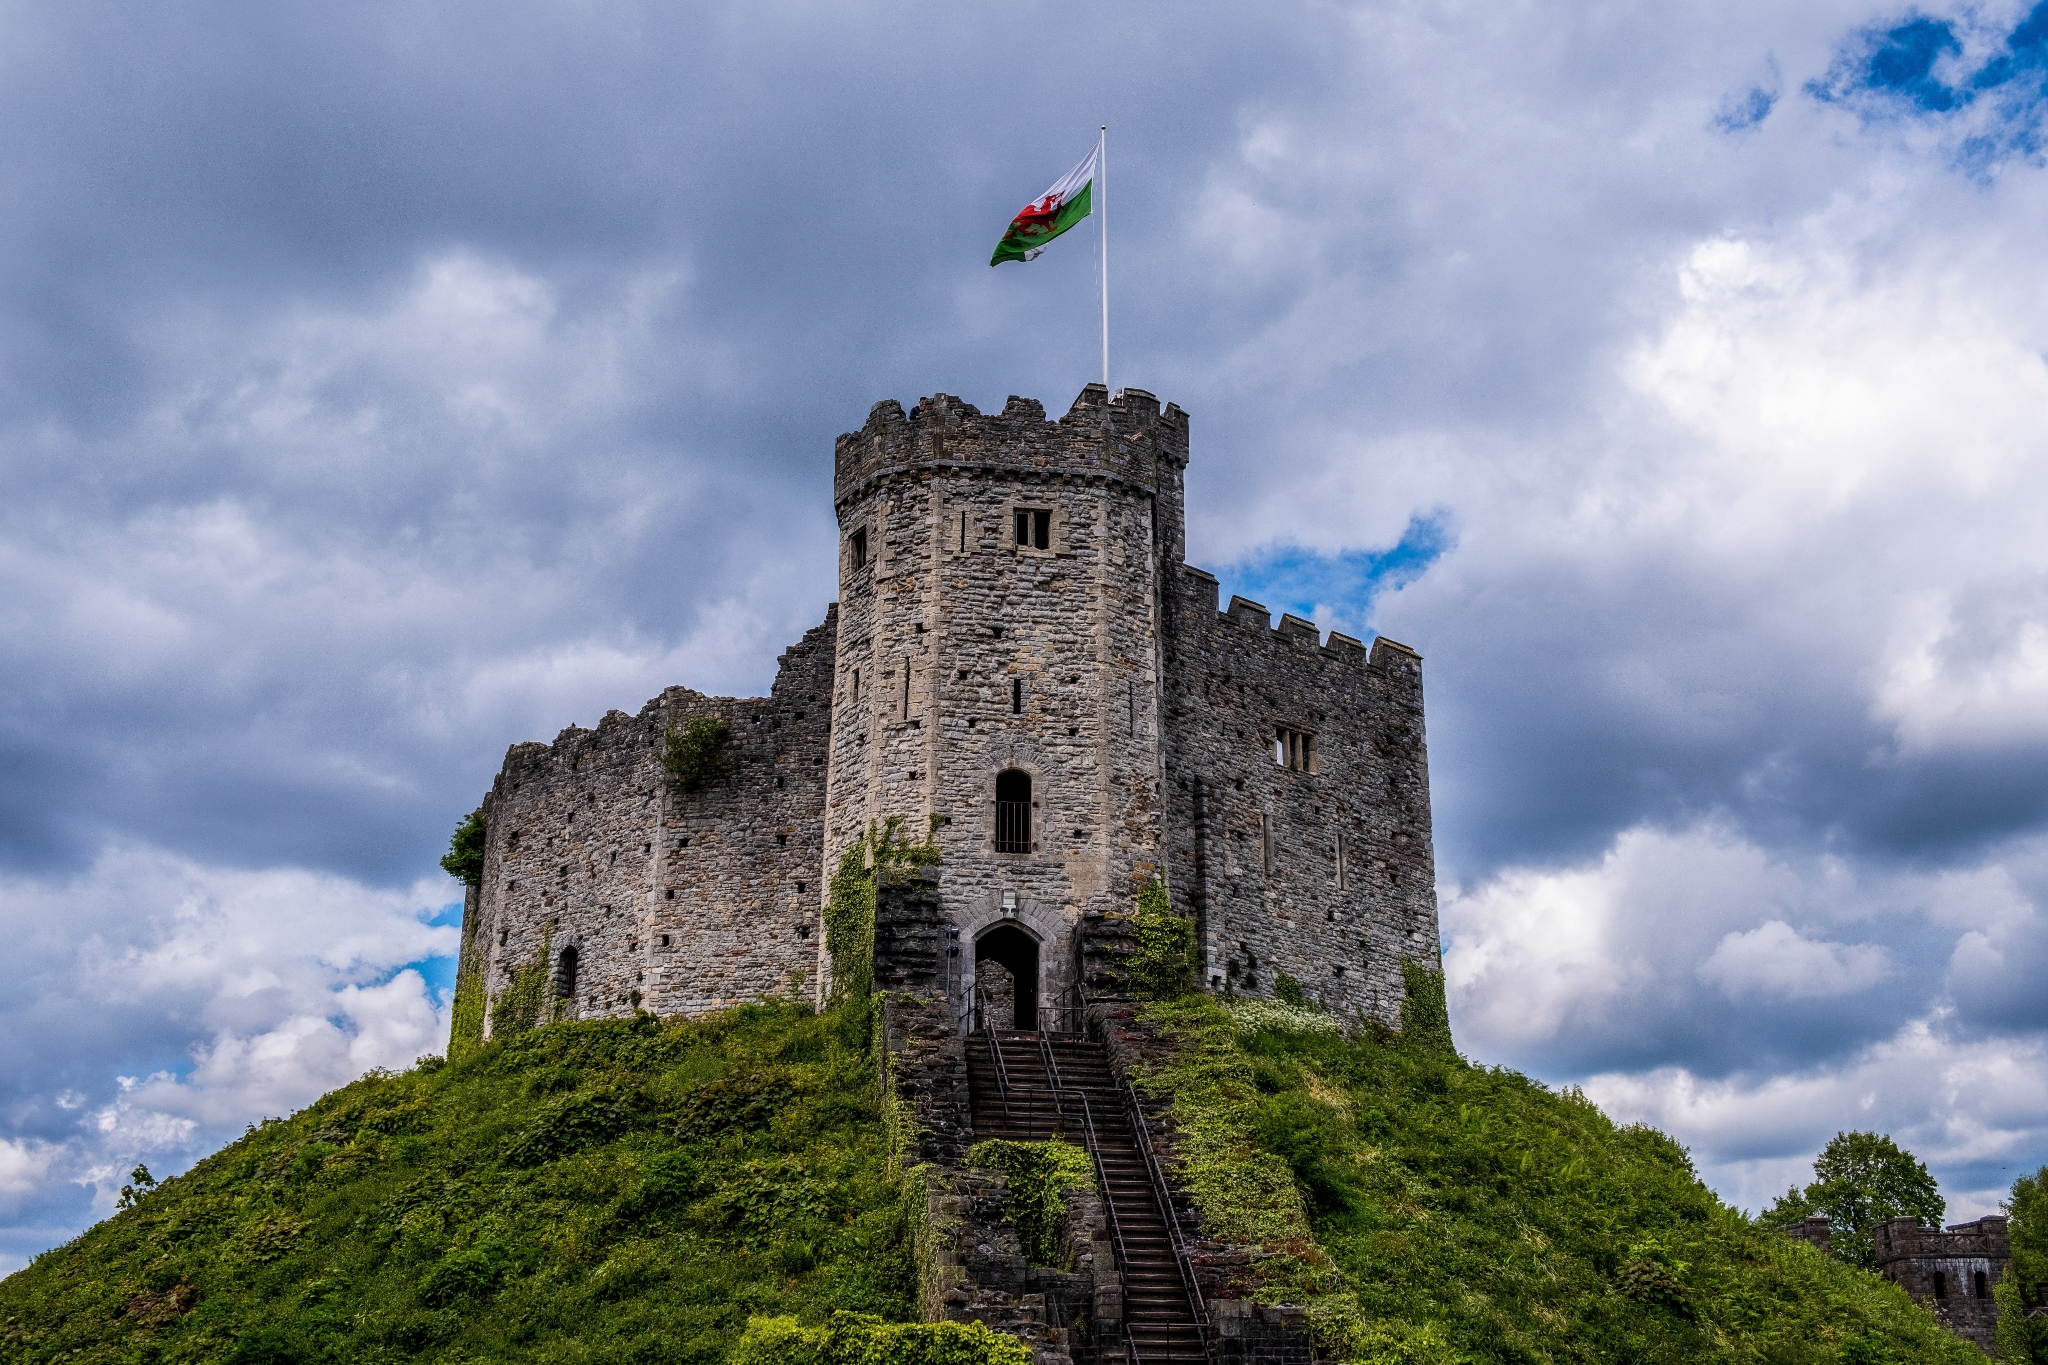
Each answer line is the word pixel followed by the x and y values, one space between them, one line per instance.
pixel 252 992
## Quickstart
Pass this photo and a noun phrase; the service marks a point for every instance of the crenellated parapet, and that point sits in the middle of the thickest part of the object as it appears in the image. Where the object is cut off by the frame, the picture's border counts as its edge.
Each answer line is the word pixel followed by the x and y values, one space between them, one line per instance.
pixel 1126 438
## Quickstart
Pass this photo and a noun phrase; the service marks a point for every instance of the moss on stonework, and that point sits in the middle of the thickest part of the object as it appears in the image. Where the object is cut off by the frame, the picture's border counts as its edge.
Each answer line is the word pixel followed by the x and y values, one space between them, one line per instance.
pixel 518 1007
pixel 466 1010
pixel 1040 1176
pixel 861 1339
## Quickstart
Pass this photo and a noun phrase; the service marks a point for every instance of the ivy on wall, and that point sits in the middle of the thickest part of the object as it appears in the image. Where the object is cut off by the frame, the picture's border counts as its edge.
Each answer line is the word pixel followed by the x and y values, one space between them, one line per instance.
pixel 1040 1175
pixel 1163 966
pixel 850 901
pixel 466 1010
pixel 1425 1018
pixel 696 754
pixel 518 1007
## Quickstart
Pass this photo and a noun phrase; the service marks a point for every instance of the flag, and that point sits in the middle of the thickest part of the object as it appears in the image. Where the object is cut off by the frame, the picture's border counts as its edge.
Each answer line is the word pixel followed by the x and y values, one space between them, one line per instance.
pixel 1046 217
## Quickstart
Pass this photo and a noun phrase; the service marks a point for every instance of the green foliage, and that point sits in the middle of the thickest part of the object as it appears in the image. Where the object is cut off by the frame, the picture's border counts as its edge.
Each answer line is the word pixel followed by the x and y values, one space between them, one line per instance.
pixel 1860 1180
pixel 141 1182
pixel 1163 967
pixel 1425 1016
pixel 850 901
pixel 1288 991
pixel 1040 1175
pixel 615 1191
pixel 696 755
pixel 2024 1341
pixel 1432 1211
pixel 860 1339
pixel 466 1010
pixel 518 1007
pixel 464 860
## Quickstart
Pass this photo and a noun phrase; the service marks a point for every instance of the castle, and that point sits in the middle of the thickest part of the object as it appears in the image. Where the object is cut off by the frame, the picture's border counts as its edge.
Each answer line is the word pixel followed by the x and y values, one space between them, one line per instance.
pixel 1021 662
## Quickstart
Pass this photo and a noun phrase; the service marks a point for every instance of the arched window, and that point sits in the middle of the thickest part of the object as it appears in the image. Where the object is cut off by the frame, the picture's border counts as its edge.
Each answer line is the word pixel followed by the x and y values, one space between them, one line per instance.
pixel 1013 811
pixel 565 974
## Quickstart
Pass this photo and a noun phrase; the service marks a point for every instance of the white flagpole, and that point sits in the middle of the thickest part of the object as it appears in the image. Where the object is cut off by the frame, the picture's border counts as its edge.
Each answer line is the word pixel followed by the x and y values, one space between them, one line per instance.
pixel 1102 207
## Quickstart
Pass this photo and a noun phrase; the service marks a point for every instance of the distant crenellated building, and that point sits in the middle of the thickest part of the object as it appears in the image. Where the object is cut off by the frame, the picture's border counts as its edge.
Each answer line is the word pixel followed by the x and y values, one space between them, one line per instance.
pixel 1021 661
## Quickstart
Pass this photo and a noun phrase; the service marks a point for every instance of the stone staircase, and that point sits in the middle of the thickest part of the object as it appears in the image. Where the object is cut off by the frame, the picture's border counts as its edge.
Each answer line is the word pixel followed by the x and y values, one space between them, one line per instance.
pixel 1031 1086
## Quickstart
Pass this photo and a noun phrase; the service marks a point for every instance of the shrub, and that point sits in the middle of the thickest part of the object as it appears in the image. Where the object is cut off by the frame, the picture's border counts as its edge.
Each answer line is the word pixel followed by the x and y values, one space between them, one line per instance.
pixel 464 860
pixel 1288 991
pixel 696 755
pixel 1425 1016
pixel 859 1339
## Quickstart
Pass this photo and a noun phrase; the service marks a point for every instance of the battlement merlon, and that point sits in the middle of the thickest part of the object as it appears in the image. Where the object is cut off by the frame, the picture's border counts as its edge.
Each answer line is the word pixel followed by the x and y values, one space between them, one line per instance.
pixel 1126 438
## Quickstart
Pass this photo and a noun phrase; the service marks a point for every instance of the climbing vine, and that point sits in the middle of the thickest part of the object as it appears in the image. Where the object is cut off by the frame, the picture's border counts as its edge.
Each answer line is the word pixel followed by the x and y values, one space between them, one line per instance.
pixel 466 1010
pixel 850 901
pixel 518 1007
pixel 1040 1175
pixel 696 754
pixel 1425 1018
pixel 1163 967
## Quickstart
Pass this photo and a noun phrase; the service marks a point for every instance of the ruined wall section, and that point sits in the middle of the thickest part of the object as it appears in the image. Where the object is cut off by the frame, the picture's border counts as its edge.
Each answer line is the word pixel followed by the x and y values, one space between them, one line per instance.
pixel 962 654
pixel 1327 874
pixel 676 904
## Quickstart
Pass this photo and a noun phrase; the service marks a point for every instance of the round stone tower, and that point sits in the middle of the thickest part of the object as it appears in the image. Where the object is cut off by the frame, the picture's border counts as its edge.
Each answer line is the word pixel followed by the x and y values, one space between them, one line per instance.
pixel 998 662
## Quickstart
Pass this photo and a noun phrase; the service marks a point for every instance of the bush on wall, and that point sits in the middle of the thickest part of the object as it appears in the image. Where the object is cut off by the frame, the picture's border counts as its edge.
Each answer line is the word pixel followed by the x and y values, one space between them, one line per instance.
pixel 696 754
pixel 850 901
pixel 1163 967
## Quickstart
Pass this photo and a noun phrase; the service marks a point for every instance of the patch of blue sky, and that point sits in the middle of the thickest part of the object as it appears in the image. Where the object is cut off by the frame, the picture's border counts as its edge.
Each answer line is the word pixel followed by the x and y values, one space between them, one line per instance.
pixel 1745 110
pixel 437 972
pixel 1337 591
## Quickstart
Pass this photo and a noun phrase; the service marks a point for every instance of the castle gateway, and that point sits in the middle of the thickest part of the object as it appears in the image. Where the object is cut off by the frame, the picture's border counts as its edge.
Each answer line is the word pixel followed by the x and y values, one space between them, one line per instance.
pixel 1021 661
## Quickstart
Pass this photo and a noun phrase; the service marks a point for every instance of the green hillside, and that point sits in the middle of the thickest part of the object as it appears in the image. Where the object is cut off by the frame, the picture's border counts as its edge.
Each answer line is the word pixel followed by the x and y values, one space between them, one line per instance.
pixel 638 1190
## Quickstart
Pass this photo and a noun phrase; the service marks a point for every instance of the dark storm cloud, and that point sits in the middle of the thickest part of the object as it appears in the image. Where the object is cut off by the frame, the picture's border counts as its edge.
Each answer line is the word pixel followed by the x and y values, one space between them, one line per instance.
pixel 381 386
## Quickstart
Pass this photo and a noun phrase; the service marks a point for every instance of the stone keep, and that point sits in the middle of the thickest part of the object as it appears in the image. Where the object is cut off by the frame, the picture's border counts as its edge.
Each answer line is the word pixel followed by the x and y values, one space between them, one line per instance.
pixel 1020 662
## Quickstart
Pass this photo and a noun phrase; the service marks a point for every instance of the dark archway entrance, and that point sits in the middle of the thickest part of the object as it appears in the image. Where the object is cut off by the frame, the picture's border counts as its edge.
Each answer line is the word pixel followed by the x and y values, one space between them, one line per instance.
pixel 1006 948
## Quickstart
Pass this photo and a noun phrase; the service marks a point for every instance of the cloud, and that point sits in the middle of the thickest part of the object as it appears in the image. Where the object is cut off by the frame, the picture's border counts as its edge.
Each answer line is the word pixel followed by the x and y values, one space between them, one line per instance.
pixel 1776 959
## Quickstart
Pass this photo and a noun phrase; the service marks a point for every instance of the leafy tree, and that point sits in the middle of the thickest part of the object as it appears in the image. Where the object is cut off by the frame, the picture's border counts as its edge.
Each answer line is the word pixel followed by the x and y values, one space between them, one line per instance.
pixel 465 859
pixel 2021 1340
pixel 696 755
pixel 1860 1180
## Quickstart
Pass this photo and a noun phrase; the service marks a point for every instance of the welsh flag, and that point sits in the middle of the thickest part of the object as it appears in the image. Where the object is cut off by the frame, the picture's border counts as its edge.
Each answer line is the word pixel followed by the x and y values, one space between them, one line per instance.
pixel 1047 216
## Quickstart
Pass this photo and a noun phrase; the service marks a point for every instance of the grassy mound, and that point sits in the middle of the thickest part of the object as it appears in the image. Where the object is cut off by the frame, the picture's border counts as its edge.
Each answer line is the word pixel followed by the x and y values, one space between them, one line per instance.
pixel 1447 1212
pixel 621 1191
pixel 644 1191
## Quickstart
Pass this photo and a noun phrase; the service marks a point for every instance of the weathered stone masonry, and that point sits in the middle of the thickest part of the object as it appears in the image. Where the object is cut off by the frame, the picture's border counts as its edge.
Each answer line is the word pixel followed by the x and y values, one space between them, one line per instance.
pixel 1014 613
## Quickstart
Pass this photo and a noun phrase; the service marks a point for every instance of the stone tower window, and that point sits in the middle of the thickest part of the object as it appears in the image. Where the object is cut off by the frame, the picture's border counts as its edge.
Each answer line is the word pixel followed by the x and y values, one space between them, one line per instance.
pixel 1034 528
pixel 565 974
pixel 1013 811
pixel 1940 1285
pixel 1016 696
pixel 1977 1279
pixel 1294 750
pixel 857 549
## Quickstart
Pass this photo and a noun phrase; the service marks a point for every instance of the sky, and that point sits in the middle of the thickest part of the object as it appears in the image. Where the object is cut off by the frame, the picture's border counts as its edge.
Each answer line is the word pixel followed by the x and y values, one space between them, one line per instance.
pixel 385 384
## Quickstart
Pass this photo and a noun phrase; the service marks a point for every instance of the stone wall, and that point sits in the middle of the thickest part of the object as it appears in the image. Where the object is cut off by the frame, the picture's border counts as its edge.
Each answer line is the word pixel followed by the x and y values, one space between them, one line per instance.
pixel 1950 1273
pixel 1318 861
pixel 677 904
pixel 962 654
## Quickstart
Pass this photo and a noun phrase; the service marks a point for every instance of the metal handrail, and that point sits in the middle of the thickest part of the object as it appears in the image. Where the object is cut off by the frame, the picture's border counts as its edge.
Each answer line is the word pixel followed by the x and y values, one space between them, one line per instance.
pixel 1052 1066
pixel 1198 1307
pixel 1116 1227
pixel 995 1052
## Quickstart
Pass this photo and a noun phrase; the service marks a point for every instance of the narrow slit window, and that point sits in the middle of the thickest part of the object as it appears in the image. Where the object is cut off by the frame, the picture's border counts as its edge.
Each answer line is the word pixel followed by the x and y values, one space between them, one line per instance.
pixel 857 548
pixel 1016 696
pixel 963 532
pixel 856 684
pixel 1266 842
pixel 906 694
pixel 1342 883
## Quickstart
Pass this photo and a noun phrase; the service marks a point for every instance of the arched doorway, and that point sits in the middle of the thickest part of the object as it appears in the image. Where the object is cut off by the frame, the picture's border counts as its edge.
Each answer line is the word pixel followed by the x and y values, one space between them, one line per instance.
pixel 1007 951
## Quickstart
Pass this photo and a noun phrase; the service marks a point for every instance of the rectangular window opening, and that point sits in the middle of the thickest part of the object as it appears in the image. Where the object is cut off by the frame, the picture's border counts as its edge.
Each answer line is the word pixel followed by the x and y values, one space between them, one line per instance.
pixel 1294 750
pixel 1342 881
pixel 1034 528
pixel 1016 696
pixel 1266 842
pixel 857 548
